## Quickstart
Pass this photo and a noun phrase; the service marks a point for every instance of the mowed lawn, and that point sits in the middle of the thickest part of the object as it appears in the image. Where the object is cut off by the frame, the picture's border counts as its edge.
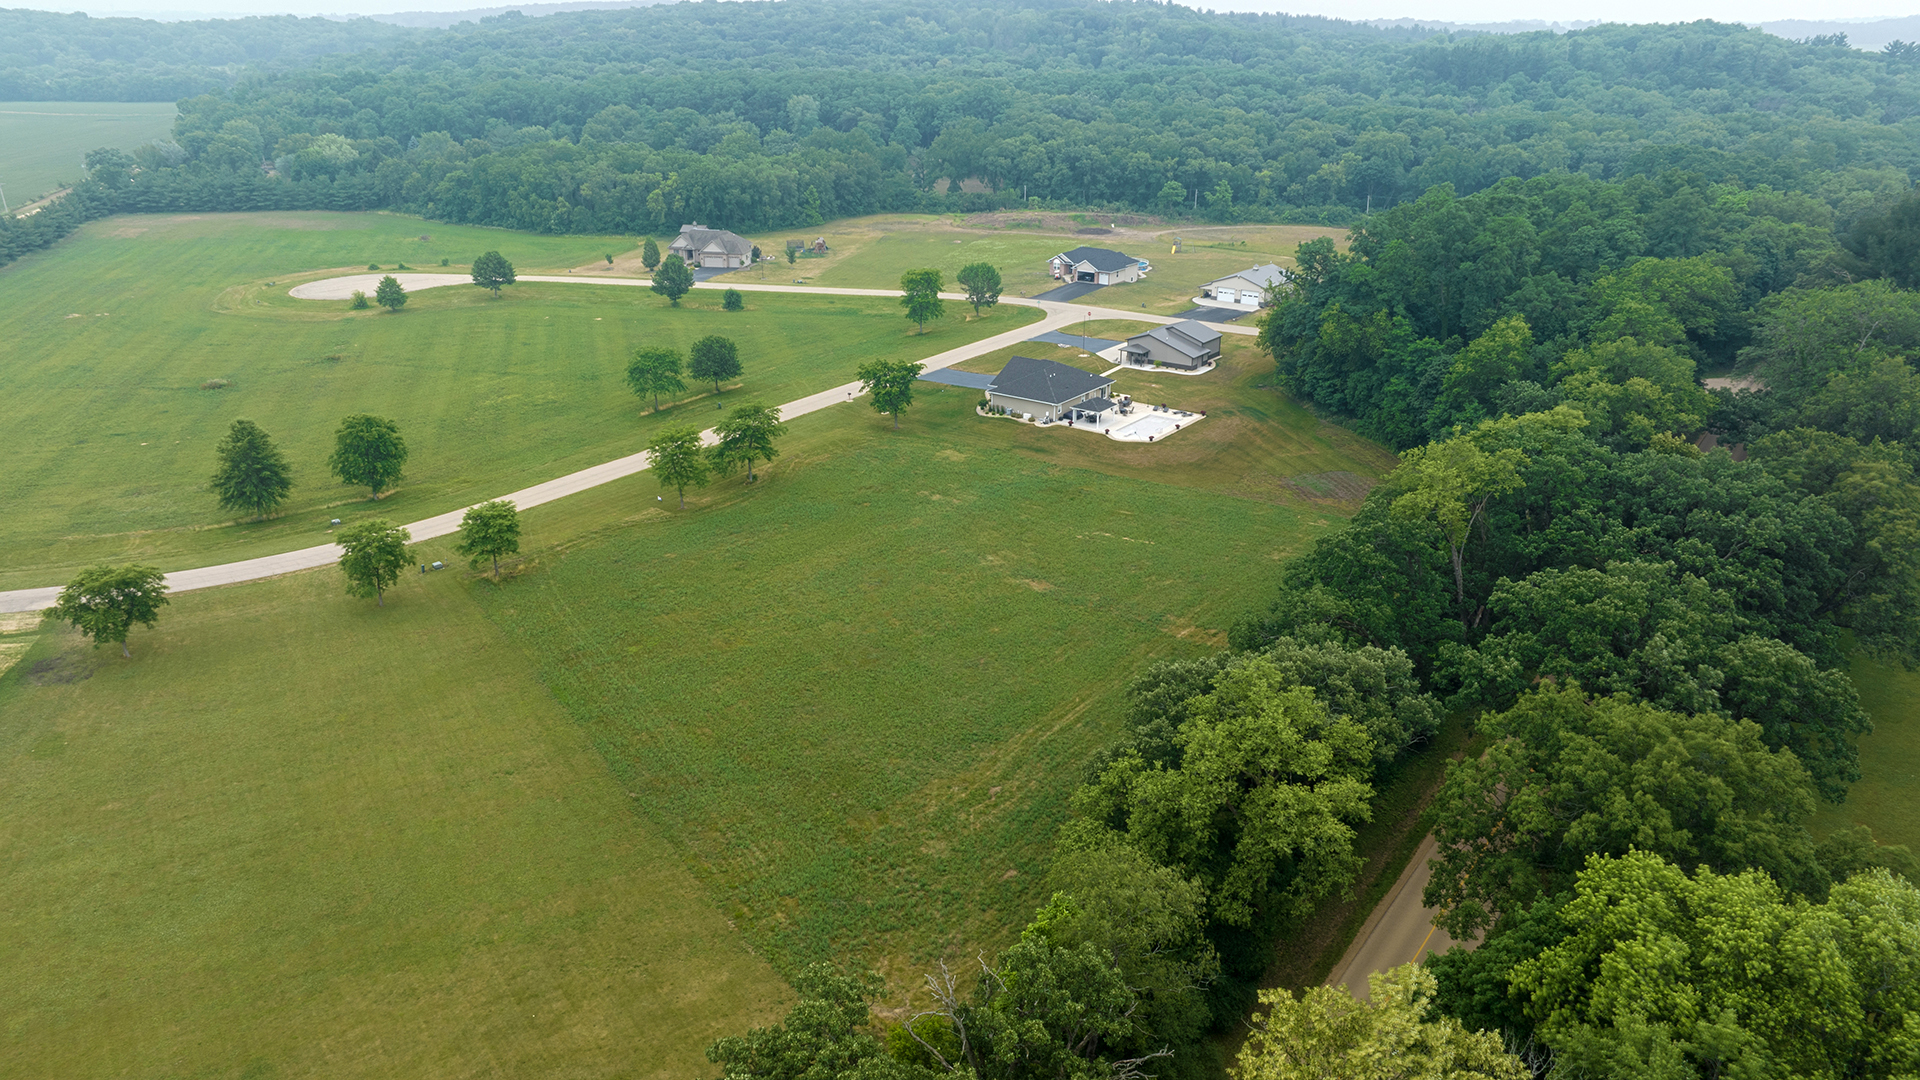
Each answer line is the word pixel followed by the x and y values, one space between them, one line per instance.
pixel 859 693
pixel 43 143
pixel 300 835
pixel 113 335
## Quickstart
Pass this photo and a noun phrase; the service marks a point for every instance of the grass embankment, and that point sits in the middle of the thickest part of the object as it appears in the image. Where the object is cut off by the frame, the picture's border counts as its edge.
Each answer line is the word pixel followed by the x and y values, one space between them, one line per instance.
pixel 858 694
pixel 113 335
pixel 42 143
pixel 299 835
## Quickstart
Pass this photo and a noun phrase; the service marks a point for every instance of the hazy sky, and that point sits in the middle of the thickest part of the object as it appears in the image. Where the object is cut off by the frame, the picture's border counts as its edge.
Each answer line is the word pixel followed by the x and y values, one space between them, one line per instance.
pixel 1464 11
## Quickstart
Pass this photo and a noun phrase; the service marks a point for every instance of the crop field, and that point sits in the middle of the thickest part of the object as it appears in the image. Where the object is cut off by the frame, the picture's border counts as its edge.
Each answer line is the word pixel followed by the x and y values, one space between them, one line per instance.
pixel 42 143
pixel 116 336
pixel 299 835
pixel 874 252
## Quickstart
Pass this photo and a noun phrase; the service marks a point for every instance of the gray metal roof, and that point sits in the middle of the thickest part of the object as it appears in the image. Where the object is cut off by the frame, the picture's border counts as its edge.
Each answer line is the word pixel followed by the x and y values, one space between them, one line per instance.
pixel 1047 381
pixel 1100 258
pixel 1189 338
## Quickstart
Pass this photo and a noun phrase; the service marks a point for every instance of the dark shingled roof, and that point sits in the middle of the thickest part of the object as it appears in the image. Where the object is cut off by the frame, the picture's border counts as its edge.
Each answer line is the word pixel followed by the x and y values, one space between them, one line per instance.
pixel 1046 381
pixel 1101 258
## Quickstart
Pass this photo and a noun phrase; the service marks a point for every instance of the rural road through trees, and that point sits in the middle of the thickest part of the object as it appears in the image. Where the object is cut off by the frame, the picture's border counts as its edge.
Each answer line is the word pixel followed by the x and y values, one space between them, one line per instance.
pixel 341 288
pixel 1399 931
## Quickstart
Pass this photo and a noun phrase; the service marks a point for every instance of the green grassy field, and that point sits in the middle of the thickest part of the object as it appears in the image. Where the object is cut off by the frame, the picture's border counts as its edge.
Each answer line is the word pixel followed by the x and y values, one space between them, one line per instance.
pixel 1887 796
pixel 113 335
pixel 299 835
pixel 42 143
pixel 858 693
pixel 838 711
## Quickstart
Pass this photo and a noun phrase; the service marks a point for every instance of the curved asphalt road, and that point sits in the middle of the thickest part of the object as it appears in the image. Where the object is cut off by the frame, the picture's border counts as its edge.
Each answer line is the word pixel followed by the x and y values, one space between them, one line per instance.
pixel 340 288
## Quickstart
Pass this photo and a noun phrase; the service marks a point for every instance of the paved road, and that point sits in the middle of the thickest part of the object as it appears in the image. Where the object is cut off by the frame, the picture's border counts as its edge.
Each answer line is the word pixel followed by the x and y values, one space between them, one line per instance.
pixel 1399 931
pixel 340 288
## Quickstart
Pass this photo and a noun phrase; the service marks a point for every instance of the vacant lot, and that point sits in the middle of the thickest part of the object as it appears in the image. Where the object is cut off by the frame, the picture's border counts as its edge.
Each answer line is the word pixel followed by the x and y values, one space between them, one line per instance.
pixel 299 835
pixel 115 335
pixel 42 143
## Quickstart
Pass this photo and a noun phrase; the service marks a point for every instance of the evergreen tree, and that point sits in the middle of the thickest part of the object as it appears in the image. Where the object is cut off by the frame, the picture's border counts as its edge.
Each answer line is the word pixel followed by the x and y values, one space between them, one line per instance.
pixel 252 474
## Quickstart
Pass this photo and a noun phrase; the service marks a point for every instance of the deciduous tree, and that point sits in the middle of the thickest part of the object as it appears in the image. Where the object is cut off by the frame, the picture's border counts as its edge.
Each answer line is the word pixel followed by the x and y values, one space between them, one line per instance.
pixel 1567 776
pixel 655 370
pixel 103 602
pixel 368 450
pixel 677 461
pixel 673 280
pixel 889 384
pixel 492 270
pixel 1327 1034
pixel 489 531
pixel 747 435
pixel 714 359
pixel 731 300
pixel 372 554
pixel 389 294
pixel 1260 805
pixel 920 295
pixel 1449 484
pixel 251 474
pixel 982 282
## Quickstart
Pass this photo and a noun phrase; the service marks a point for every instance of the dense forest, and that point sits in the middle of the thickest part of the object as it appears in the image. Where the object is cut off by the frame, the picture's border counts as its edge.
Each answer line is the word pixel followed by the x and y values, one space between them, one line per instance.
pixel 761 116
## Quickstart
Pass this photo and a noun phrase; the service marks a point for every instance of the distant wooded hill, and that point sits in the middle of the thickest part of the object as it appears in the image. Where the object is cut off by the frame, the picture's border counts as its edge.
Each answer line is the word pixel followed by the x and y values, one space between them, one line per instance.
pixel 757 116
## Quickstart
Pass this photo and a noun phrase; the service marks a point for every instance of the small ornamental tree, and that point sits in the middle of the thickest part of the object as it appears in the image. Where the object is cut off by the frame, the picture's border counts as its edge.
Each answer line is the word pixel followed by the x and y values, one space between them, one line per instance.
pixel 103 602
pixel 793 254
pixel 890 382
pixel 731 300
pixel 673 280
pixel 982 282
pixel 746 436
pixel 489 531
pixel 677 461
pixel 655 371
pixel 492 270
pixel 920 295
pixel 359 301
pixel 252 474
pixel 389 294
pixel 714 359
pixel 368 450
pixel 650 254
pixel 372 555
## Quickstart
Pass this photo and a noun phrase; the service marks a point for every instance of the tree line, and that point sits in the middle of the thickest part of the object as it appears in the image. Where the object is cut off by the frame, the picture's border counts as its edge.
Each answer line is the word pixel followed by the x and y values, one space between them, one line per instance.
pixel 638 120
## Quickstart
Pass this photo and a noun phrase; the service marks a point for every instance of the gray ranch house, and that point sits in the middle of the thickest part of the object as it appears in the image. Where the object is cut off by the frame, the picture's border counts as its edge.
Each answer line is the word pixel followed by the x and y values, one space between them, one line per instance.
pixel 700 246
pixel 1190 345
pixel 1248 287
pixel 1050 390
pixel 1097 266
